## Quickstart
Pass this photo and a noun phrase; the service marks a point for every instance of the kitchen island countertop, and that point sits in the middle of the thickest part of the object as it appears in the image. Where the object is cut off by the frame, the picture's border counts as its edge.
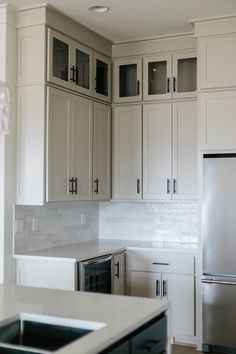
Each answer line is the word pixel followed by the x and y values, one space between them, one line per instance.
pixel 121 314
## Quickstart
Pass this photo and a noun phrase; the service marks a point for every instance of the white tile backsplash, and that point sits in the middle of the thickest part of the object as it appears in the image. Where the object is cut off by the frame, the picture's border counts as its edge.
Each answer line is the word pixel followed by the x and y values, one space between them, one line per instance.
pixel 164 221
pixel 59 224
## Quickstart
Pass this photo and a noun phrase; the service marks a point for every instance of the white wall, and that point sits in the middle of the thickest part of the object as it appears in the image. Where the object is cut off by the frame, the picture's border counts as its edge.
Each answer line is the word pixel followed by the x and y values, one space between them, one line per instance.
pixel 7 143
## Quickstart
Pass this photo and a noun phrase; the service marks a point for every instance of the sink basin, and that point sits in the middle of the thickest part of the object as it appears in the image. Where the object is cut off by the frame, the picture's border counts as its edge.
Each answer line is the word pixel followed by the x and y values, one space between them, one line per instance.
pixel 31 333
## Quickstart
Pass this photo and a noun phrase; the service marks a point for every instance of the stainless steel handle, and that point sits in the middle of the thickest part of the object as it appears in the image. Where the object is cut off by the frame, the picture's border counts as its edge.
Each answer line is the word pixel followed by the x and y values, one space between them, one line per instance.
pixel 157 288
pixel 97 260
pixel 168 186
pixel 219 282
pixel 174 185
pixel 164 288
pixel 160 263
pixel 117 275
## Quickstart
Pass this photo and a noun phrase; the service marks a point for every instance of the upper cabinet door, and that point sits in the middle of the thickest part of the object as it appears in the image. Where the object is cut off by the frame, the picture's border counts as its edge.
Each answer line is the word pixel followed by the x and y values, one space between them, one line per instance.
pixel 102 77
pixel 101 151
pixel 57 145
pixel 157 77
pixel 127 153
pixel 184 74
pixel 127 80
pixel 60 69
pixel 80 152
pixel 185 150
pixel 157 151
pixel 217 58
pixel 82 69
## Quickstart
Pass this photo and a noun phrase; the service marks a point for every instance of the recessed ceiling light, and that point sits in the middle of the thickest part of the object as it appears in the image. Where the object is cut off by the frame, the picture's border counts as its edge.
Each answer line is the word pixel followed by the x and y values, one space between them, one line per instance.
pixel 99 8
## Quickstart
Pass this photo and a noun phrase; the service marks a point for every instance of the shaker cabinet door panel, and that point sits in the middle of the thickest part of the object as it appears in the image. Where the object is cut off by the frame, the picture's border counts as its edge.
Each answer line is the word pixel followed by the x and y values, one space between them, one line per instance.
pixel 185 150
pixel 157 151
pixel 80 152
pixel 145 284
pixel 127 152
pixel 57 145
pixel 101 151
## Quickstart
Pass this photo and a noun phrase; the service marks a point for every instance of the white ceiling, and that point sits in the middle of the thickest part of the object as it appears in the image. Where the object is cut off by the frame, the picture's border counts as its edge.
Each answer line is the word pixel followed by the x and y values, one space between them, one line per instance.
pixel 133 19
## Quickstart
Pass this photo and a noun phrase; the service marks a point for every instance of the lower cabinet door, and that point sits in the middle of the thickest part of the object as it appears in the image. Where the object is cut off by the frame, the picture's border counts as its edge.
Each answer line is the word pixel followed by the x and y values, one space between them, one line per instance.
pixel 151 340
pixel 145 284
pixel 121 349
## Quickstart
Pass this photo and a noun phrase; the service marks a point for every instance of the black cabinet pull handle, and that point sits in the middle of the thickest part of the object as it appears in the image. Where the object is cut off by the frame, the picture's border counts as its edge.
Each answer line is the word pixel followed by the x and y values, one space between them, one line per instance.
pixel 151 345
pixel 117 275
pixel 138 185
pixel 168 84
pixel 174 186
pixel 96 185
pixel 168 186
pixel 138 87
pixel 174 84
pixel 77 75
pixel 73 185
pixel 164 288
pixel 72 78
pixel 157 288
pixel 160 263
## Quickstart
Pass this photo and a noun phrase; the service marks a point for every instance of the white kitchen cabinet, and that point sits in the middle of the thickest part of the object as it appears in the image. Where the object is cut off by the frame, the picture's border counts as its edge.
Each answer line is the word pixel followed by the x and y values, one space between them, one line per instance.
pixel 217 57
pixel 127 153
pixel 119 274
pixel 69 146
pixel 157 151
pixel 46 273
pixel 170 76
pixel 127 80
pixel 31 55
pixel 185 148
pixel 217 115
pixel 101 151
pixel 102 77
pixel 170 151
pixel 169 276
pixel 76 67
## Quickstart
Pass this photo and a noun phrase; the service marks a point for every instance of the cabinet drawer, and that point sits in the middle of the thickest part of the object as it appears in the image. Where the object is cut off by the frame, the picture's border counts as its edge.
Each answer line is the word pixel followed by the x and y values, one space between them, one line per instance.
pixel 153 261
pixel 152 339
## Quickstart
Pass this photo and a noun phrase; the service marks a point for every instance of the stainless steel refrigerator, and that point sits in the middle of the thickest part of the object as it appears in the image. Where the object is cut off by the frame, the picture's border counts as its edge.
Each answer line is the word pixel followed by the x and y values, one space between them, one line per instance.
pixel 219 252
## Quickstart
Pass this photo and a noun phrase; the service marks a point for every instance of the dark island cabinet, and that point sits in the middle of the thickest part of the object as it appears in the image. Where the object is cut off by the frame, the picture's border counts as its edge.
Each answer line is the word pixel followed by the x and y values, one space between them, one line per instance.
pixel 150 338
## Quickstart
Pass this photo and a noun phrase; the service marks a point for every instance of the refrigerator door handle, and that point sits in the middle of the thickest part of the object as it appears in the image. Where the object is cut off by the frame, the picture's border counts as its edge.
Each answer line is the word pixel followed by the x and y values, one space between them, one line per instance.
pixel 206 281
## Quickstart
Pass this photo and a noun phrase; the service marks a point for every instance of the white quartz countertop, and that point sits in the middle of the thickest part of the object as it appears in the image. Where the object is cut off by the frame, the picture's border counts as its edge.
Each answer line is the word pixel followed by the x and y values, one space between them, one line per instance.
pixel 121 314
pixel 86 250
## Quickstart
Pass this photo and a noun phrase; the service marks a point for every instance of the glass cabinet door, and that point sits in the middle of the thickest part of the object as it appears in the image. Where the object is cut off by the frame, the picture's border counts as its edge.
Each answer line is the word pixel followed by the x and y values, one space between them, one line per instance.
pixel 184 75
pixel 83 70
pixel 157 77
pixel 127 79
pixel 59 70
pixel 102 69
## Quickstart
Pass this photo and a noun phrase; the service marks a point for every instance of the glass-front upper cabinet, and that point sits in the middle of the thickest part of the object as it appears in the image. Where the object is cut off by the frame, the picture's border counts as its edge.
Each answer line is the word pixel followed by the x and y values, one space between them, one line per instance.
pixel 157 77
pixel 184 74
pixel 59 59
pixel 102 80
pixel 70 64
pixel 170 76
pixel 127 80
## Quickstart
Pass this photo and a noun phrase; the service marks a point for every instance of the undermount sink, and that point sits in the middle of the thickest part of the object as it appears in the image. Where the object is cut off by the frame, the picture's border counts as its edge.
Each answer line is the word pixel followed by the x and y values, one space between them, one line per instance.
pixel 30 333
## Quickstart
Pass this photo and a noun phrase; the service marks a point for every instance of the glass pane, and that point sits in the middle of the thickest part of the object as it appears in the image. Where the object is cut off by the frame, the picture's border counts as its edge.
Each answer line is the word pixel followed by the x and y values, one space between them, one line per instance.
pixel 128 80
pixel 187 74
pixel 101 77
pixel 98 277
pixel 60 59
pixel 82 69
pixel 157 77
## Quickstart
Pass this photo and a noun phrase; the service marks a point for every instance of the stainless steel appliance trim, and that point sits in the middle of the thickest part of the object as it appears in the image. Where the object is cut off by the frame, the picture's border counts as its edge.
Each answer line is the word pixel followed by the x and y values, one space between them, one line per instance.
pixel 220 282
pixel 97 260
